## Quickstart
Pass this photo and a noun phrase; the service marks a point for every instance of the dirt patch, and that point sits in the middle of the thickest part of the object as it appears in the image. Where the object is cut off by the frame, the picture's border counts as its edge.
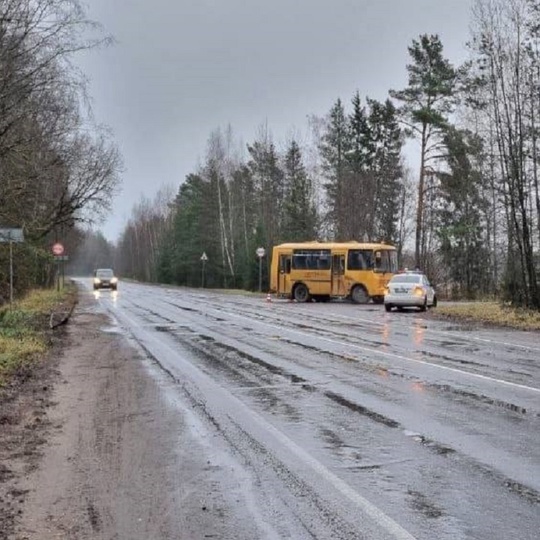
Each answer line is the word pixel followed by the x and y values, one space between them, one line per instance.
pixel 24 427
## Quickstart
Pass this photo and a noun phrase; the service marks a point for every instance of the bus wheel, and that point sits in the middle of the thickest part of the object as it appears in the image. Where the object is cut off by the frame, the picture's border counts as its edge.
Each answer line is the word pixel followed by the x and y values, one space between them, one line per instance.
pixel 301 293
pixel 359 295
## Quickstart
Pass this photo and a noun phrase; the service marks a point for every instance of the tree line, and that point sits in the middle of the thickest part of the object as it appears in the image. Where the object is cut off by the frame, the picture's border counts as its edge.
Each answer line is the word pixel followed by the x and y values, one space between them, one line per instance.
pixel 58 169
pixel 470 216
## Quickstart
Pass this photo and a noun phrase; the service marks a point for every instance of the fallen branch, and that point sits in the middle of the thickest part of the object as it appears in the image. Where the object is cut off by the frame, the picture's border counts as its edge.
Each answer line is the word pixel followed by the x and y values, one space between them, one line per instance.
pixel 64 320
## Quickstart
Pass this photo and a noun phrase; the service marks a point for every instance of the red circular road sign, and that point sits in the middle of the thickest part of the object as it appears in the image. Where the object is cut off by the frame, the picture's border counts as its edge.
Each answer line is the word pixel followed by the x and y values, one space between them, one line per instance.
pixel 58 249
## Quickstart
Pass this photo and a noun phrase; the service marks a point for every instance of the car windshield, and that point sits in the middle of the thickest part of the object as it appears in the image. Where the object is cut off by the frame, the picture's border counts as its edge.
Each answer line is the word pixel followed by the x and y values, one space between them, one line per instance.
pixel 106 273
pixel 411 278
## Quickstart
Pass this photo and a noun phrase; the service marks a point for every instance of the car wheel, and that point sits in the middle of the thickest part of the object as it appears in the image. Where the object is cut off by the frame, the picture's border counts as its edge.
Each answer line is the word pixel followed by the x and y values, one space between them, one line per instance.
pixel 301 293
pixel 359 295
pixel 423 307
pixel 388 307
pixel 434 302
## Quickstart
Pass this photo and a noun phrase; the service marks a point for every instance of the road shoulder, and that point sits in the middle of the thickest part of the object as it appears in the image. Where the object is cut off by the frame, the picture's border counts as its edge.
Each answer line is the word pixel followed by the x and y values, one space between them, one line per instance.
pixel 113 457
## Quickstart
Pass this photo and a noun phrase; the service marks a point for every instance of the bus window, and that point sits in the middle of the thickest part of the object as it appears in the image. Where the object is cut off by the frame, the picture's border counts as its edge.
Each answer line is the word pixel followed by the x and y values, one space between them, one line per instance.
pixel 310 259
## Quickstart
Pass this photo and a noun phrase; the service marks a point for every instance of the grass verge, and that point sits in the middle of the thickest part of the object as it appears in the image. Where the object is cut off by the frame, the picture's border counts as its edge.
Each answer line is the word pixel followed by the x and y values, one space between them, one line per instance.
pixel 24 328
pixel 492 313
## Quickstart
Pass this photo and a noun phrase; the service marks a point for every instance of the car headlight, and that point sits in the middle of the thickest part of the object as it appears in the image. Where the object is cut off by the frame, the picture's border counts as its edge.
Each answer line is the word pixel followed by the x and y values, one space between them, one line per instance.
pixel 114 280
pixel 97 280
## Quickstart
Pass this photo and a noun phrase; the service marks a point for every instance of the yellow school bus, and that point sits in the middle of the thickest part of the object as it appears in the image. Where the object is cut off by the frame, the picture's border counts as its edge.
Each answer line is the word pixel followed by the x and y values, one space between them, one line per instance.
pixel 323 270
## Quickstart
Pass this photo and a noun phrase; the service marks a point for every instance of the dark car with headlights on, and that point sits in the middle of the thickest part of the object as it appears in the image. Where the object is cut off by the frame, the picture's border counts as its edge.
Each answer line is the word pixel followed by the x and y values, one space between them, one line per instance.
pixel 104 278
pixel 409 289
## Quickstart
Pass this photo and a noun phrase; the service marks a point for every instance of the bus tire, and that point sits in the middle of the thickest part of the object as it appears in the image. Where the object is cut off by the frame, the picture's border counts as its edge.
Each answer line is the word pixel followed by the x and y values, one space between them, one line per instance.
pixel 359 295
pixel 301 293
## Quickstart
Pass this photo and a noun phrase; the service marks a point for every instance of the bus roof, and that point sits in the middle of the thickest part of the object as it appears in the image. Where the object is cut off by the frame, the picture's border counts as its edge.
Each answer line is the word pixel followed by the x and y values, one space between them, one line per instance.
pixel 334 245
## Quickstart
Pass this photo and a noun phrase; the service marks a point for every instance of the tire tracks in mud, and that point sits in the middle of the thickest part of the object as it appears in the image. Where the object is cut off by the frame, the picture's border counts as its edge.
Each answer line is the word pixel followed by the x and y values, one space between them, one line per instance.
pixel 200 344
pixel 446 390
pixel 466 365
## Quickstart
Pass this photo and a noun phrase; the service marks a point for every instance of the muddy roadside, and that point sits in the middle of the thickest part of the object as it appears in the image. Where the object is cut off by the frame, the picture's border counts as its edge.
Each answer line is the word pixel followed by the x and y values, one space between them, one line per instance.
pixel 93 447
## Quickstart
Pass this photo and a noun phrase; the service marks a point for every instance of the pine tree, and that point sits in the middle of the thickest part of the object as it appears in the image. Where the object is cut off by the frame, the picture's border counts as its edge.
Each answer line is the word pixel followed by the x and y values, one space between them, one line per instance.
pixel 359 182
pixel 386 163
pixel 461 229
pixel 299 216
pixel 427 101
pixel 334 146
pixel 269 188
pixel 195 229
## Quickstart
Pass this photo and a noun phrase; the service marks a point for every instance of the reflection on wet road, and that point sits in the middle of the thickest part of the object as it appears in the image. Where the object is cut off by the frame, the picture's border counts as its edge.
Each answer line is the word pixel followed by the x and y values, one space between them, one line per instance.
pixel 354 422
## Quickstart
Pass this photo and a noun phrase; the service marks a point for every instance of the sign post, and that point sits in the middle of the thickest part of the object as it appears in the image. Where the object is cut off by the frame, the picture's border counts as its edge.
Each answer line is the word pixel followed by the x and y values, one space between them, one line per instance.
pixel 204 258
pixel 261 252
pixel 11 236
pixel 58 251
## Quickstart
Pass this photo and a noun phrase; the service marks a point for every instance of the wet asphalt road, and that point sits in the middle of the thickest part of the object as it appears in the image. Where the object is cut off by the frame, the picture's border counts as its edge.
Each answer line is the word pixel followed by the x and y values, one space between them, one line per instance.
pixel 351 422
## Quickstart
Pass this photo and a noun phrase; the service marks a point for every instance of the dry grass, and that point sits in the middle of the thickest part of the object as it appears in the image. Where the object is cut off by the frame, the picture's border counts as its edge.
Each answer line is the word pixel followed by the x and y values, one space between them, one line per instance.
pixel 24 329
pixel 492 313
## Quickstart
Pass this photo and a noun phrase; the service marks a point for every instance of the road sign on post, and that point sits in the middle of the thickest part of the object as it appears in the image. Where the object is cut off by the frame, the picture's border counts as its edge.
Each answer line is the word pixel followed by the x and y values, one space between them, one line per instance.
pixel 11 236
pixel 261 252
pixel 204 259
pixel 58 251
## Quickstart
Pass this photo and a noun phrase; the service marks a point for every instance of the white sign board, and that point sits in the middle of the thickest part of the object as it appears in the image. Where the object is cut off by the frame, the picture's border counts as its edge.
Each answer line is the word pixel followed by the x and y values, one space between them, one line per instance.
pixel 204 257
pixel 261 252
pixel 11 235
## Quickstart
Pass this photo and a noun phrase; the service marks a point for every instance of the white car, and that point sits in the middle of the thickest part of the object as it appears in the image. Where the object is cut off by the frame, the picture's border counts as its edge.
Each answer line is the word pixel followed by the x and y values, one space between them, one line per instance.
pixel 409 289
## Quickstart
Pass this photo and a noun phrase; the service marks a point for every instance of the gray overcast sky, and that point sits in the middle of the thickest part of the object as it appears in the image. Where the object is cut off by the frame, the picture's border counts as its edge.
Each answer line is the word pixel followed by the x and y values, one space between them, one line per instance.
pixel 181 68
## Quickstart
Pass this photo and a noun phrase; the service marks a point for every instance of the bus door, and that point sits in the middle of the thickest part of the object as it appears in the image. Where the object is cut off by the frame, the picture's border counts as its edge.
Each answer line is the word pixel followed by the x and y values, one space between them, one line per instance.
pixel 338 273
pixel 284 277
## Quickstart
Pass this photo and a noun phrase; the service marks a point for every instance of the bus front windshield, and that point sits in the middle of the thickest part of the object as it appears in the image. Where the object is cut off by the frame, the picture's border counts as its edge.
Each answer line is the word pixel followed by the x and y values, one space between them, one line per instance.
pixel 386 261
